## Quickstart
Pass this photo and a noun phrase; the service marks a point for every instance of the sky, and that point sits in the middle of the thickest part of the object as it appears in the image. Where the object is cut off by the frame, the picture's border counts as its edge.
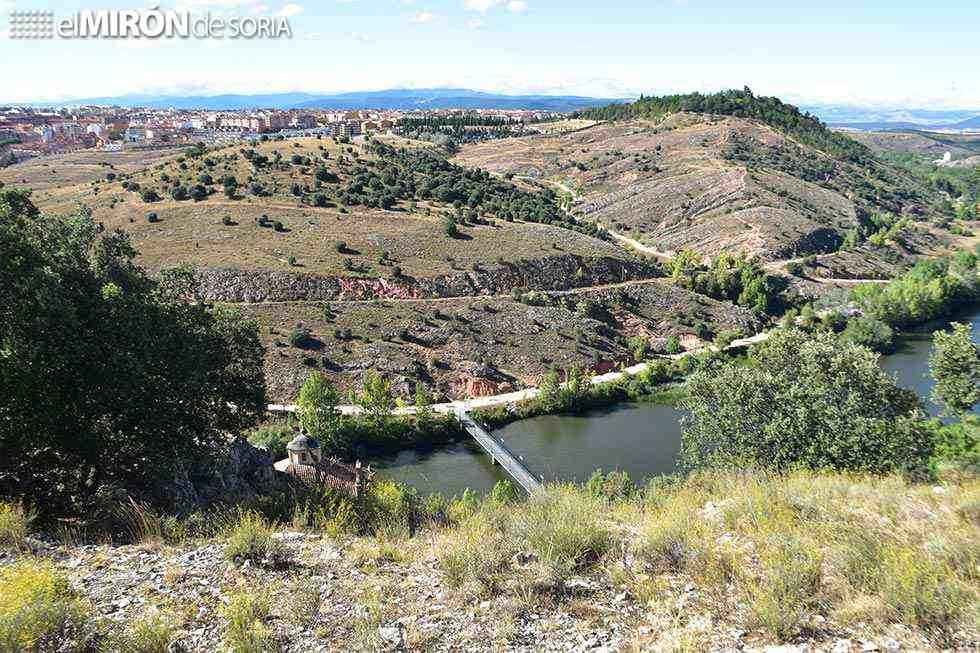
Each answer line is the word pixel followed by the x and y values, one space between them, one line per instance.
pixel 861 52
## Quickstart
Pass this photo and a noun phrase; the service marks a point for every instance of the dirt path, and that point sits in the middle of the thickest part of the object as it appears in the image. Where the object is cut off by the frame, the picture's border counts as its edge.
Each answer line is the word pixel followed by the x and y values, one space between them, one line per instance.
pixel 467 405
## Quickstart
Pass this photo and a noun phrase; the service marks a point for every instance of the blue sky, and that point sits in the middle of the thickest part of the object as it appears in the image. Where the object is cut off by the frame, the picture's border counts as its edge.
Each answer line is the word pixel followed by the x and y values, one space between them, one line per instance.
pixel 895 53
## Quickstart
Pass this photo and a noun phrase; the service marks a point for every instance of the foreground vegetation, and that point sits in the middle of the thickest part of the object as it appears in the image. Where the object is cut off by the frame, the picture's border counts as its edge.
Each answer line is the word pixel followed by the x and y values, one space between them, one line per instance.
pixel 803 557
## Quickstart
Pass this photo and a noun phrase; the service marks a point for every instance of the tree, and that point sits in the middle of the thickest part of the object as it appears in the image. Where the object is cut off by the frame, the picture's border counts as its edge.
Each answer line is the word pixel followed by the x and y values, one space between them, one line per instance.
pixel 871 333
pixel 317 403
pixel 377 400
pixel 449 227
pixel 955 367
pixel 810 401
pixel 109 380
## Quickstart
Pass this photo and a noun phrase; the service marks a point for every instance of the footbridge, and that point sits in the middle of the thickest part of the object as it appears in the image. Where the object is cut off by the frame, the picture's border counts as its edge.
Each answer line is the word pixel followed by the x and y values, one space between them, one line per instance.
pixel 499 453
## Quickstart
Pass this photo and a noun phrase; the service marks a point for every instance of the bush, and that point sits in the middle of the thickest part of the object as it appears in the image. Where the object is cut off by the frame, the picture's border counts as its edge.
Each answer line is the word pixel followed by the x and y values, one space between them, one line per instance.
pixel 300 336
pixel 38 608
pixel 477 550
pixel 251 538
pixel 152 217
pixel 783 597
pixel 674 345
pixel 15 523
pixel 273 438
pixel 871 333
pixel 246 631
pixel 564 527
pixel 150 634
pixel 449 227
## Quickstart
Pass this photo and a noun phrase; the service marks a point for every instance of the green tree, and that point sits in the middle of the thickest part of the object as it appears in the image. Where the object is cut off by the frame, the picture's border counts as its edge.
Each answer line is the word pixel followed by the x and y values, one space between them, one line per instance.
pixel 871 333
pixel 317 406
pixel 810 401
pixel 377 400
pixel 955 367
pixel 109 380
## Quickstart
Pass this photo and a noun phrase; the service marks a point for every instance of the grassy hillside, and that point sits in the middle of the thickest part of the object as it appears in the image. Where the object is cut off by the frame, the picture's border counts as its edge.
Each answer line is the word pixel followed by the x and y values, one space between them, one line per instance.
pixel 321 194
pixel 509 343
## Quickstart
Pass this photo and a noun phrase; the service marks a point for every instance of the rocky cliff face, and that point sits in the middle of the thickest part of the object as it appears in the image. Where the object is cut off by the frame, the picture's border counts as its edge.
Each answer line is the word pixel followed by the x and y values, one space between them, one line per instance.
pixel 559 272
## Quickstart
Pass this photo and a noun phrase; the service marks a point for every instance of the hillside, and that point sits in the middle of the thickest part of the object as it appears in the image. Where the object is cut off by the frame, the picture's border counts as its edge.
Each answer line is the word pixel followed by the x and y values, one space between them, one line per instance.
pixel 301 240
pixel 717 562
pixel 765 180
pixel 383 254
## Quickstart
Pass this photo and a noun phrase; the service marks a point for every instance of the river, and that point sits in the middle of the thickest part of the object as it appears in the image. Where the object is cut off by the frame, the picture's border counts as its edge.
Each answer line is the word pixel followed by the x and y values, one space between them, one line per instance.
pixel 642 439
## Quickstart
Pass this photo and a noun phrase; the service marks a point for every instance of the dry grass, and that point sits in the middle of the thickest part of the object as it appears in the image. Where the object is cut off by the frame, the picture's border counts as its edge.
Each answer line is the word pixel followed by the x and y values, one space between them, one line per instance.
pixel 253 539
pixel 15 522
pixel 246 630
pixel 195 233
pixel 38 608
pixel 773 554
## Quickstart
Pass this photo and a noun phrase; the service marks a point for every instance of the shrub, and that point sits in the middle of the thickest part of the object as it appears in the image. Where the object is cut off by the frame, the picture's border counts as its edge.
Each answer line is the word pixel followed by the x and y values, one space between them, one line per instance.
pixel 15 523
pixel 477 550
pixel 38 608
pixel 917 588
pixel 564 527
pixel 150 634
pixel 391 508
pixel 152 217
pixel 781 600
pixel 674 345
pixel 300 336
pixel 246 631
pixel 252 539
pixel 955 366
pixel 273 438
pixel 449 227
pixel 871 333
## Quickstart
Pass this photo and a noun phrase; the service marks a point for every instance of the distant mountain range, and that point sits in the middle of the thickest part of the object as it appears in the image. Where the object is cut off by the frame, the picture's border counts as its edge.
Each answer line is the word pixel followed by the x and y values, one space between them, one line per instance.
pixel 402 99
pixel 895 119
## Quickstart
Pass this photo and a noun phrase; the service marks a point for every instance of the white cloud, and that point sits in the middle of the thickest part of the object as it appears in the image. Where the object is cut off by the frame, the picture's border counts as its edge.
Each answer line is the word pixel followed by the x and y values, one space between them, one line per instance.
pixel 475 23
pixel 291 9
pixel 259 9
pixel 482 6
pixel 224 4
pixel 360 38
pixel 423 17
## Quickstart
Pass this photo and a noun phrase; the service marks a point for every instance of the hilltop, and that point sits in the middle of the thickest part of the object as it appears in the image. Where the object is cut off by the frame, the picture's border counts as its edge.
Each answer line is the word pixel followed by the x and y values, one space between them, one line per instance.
pixel 729 171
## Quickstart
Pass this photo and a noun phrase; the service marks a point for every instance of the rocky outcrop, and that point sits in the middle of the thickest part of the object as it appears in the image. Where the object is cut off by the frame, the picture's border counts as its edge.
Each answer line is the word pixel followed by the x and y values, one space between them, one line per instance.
pixel 550 273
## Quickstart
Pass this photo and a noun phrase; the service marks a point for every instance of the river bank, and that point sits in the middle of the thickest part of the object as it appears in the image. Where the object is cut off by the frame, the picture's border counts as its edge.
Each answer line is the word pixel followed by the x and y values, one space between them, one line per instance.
pixel 641 438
